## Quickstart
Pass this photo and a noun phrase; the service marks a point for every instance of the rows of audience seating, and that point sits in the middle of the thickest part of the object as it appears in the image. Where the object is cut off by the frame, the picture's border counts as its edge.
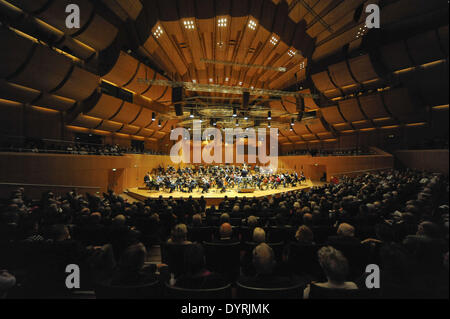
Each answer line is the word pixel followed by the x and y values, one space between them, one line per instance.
pixel 337 152
pixel 313 243
pixel 77 148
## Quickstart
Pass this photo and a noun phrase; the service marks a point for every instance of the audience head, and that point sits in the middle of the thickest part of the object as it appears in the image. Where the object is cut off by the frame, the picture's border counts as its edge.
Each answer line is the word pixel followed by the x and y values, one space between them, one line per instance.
pixel 263 259
pixel 133 258
pixel 224 218
pixel 333 263
pixel 346 230
pixel 179 233
pixel 259 235
pixel 197 220
pixel 252 221
pixel 59 232
pixel 226 231
pixel 304 234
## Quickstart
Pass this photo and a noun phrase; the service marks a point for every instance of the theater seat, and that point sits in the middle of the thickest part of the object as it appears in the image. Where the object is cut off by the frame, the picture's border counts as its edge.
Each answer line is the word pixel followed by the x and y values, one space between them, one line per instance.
pixel 184 293
pixel 106 291
pixel 223 258
pixel 173 256
pixel 294 292
pixel 317 292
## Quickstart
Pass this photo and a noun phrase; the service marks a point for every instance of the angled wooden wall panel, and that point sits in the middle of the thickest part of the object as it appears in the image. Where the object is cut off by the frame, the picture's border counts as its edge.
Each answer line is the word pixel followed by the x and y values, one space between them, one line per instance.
pixel 322 81
pixel 350 110
pixel 398 102
pixel 144 118
pixel 332 115
pixel 127 113
pixel 362 68
pixel 372 106
pixel 129 129
pixel 395 56
pixel 425 47
pixel 11 118
pixel 45 71
pixel 11 60
pixel 15 92
pixel 340 74
pixel 54 102
pixel 316 126
pixel 86 121
pixel 110 126
pixel 123 71
pixel 106 107
pixel 80 85
pixel 443 36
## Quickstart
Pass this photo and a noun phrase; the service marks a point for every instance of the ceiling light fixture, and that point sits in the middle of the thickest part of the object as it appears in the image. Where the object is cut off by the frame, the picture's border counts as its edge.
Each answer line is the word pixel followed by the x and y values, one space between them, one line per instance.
pixel 252 25
pixel 158 32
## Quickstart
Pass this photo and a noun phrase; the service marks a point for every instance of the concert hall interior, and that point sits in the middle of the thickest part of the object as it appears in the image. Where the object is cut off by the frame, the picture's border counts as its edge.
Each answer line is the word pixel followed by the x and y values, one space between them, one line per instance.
pixel 265 149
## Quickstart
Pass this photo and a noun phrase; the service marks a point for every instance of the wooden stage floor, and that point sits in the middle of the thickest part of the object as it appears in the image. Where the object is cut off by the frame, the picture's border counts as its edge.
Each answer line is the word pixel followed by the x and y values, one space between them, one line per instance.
pixel 213 197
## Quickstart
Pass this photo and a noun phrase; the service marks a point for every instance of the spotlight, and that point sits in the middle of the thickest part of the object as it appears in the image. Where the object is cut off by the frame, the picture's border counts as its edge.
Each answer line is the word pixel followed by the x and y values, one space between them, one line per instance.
pixel 234 112
pixel 192 114
pixel 153 116
pixel 159 123
pixel 269 115
pixel 237 122
pixel 268 125
pixel 171 128
pixel 292 122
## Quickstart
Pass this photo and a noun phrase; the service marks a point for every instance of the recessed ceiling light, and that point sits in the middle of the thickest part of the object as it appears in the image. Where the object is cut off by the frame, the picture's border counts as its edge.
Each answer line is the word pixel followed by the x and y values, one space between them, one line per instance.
pixel 226 79
pixel 222 22
pixel 252 24
pixel 274 40
pixel 194 81
pixel 210 79
pixel 189 24
pixel 158 32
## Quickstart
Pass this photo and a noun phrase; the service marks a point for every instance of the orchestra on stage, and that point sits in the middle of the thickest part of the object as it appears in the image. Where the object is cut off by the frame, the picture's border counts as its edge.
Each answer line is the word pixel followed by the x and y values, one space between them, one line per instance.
pixel 219 177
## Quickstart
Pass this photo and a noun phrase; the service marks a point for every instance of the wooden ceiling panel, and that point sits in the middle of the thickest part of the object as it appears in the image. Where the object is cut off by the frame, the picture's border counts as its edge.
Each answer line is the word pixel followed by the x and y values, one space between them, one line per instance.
pixel 340 74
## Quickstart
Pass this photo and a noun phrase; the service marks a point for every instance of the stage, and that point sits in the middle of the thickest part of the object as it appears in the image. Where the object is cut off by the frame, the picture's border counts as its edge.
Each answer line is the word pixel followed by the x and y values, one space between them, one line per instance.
pixel 213 197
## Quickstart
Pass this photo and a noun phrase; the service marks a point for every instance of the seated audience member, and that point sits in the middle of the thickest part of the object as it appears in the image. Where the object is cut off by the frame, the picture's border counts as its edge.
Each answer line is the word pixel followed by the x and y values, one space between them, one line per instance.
pixel 7 281
pixel 131 270
pixel 266 275
pixel 247 230
pixel 304 235
pixel 197 276
pixel 335 266
pixel 345 236
pixel 179 235
pixel 225 234
pixel 259 235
